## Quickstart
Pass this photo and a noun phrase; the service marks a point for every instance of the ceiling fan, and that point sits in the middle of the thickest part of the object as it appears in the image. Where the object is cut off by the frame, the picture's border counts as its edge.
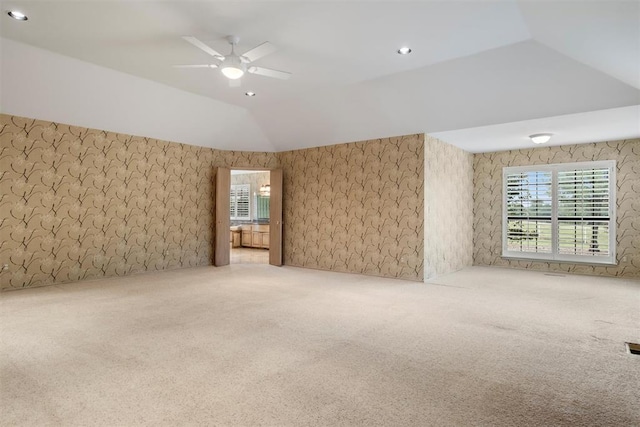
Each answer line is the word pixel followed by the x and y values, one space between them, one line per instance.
pixel 232 65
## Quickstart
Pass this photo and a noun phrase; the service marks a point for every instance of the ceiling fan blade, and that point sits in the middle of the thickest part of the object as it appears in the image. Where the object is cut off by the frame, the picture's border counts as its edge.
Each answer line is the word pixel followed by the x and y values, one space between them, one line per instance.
pixel 197 66
pixel 235 82
pixel 268 72
pixel 197 43
pixel 258 52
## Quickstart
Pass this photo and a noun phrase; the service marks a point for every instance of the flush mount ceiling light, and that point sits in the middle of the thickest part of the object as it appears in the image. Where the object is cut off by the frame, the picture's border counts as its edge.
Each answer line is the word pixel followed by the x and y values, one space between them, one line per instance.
pixel 250 93
pixel 15 14
pixel 404 50
pixel 540 138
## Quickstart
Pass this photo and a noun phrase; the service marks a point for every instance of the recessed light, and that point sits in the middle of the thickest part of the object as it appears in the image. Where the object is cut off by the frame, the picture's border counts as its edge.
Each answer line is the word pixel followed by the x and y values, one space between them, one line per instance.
pixel 404 50
pixel 15 14
pixel 540 138
pixel 250 93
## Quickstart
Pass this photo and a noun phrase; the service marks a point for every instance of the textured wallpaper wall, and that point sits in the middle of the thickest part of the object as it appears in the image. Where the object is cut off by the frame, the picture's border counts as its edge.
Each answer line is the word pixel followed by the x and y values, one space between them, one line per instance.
pixel 81 203
pixel 448 232
pixel 356 207
pixel 488 203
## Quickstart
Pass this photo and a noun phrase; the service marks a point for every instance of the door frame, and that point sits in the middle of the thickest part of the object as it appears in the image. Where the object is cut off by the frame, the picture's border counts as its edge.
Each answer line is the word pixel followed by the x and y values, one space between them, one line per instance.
pixel 222 255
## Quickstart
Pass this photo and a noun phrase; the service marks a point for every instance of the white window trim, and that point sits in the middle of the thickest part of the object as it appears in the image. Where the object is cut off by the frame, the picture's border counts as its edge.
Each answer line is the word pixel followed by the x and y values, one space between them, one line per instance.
pixel 555 256
pixel 233 206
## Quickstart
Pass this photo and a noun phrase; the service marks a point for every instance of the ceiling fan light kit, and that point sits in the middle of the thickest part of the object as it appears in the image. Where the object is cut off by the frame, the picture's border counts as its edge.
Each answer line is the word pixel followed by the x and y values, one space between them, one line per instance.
pixel 234 66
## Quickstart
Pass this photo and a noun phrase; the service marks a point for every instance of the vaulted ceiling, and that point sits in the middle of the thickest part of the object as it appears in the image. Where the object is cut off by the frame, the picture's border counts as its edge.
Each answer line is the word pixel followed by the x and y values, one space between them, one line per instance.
pixel 481 75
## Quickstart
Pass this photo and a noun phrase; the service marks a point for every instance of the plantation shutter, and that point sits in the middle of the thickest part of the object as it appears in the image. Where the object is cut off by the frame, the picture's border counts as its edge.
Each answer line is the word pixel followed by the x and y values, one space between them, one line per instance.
pixel 529 212
pixel 240 204
pixel 584 212
pixel 232 202
pixel 560 212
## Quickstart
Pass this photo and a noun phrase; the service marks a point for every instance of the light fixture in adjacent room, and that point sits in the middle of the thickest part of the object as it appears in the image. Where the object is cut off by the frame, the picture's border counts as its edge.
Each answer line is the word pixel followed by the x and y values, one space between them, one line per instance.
pixel 265 190
pixel 15 14
pixel 540 138
pixel 250 93
pixel 404 50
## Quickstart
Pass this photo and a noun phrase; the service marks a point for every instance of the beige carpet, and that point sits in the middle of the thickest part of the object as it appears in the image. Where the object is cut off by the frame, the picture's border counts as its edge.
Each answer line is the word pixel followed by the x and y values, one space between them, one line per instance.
pixel 252 345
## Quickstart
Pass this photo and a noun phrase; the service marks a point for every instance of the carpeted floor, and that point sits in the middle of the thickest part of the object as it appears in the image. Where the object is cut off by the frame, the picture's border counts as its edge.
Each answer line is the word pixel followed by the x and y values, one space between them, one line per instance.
pixel 249 345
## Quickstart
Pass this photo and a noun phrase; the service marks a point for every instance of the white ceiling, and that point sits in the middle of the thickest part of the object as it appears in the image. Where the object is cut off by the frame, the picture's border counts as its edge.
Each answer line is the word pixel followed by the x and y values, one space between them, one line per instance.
pixel 40 84
pixel 475 66
pixel 604 125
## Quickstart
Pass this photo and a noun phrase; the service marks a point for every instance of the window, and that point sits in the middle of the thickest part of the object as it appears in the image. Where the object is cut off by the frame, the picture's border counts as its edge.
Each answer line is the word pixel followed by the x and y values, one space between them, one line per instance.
pixel 561 212
pixel 239 207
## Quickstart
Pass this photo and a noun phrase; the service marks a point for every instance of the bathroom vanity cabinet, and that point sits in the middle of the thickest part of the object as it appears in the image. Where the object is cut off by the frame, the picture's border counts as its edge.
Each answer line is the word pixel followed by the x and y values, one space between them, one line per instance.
pixel 236 236
pixel 255 236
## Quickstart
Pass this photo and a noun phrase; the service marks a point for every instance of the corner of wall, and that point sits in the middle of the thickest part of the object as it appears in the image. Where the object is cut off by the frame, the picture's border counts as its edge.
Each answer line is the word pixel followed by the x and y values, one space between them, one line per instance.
pixel 356 207
pixel 448 208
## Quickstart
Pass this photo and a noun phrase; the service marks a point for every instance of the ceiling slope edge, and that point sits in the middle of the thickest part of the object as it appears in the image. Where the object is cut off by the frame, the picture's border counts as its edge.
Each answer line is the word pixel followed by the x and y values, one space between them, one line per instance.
pixel 632 83
pixel 604 35
pixel 40 84
pixel 523 81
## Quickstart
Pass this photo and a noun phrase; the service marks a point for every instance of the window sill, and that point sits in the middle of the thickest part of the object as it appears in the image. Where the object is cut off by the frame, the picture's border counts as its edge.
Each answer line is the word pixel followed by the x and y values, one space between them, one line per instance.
pixel 558 261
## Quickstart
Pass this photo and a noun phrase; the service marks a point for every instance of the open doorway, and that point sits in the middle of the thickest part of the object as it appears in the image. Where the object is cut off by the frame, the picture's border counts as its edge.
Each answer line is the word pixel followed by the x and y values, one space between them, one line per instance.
pixel 249 206
pixel 271 230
